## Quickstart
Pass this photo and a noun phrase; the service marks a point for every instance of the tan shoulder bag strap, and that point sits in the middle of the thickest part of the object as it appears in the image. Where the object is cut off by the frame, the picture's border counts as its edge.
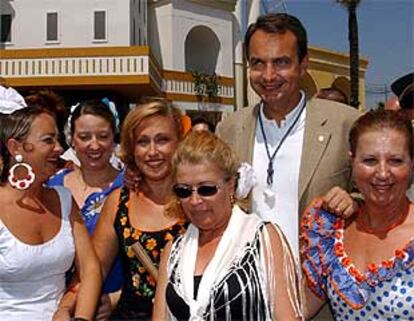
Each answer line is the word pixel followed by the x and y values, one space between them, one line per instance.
pixel 144 258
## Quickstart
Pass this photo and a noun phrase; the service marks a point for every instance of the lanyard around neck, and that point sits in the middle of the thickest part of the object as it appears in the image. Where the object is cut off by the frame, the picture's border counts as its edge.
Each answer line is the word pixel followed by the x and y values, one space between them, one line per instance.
pixel 271 158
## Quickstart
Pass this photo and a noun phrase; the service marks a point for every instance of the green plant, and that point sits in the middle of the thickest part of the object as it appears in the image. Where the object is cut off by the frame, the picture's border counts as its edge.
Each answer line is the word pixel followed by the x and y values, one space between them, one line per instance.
pixel 199 83
pixel 205 84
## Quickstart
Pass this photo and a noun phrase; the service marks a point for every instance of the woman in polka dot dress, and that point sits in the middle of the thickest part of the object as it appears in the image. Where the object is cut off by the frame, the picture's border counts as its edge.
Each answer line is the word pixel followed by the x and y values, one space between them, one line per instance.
pixel 364 266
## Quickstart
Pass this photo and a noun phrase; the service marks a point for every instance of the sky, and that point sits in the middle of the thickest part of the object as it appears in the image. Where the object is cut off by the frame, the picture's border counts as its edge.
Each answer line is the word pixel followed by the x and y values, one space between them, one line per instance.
pixel 386 35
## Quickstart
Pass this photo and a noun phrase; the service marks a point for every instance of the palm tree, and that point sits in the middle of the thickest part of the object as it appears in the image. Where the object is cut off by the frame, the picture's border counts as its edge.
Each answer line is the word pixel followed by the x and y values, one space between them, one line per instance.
pixel 351 6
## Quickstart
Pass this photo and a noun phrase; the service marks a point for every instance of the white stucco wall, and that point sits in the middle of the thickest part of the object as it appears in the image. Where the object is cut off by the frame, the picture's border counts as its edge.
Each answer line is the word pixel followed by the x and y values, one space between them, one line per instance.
pixel 175 20
pixel 75 22
pixel 160 33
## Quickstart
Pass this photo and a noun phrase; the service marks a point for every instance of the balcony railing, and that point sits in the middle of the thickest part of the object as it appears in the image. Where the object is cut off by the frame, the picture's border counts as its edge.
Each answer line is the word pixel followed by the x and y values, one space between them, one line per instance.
pixel 105 66
pixel 178 84
pixel 76 66
pixel 88 65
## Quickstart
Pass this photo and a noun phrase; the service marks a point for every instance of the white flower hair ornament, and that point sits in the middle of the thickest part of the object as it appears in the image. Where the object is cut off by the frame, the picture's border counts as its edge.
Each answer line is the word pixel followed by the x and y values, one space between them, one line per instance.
pixel 10 100
pixel 68 126
pixel 112 108
pixel 246 180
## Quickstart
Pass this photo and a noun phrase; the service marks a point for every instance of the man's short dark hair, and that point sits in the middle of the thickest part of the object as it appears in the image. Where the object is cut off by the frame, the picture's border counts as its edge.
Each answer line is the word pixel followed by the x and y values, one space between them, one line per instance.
pixel 332 93
pixel 279 23
pixel 202 120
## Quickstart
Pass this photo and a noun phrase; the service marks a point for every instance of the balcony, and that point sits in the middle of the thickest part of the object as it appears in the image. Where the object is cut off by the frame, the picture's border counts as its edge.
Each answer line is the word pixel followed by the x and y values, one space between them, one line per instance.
pixel 129 71
pixel 122 68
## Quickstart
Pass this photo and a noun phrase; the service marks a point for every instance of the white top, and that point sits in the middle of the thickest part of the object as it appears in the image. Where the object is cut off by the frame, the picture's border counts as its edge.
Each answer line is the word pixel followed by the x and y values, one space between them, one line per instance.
pixel 279 203
pixel 32 277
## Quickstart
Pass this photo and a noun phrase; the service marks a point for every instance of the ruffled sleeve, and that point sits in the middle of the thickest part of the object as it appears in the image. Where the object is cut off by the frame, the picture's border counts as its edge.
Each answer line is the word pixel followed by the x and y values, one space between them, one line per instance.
pixel 318 245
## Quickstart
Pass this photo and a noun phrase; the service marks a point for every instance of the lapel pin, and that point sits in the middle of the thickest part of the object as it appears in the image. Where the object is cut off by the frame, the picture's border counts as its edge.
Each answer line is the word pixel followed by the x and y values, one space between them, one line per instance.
pixel 321 138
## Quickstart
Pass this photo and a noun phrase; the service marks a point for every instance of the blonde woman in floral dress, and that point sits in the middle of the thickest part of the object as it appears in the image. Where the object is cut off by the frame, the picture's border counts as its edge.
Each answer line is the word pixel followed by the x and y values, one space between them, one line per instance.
pixel 149 137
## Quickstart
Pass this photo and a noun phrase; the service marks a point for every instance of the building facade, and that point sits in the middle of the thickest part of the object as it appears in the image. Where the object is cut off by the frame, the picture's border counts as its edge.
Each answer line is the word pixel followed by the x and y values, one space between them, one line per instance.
pixel 133 48
pixel 126 48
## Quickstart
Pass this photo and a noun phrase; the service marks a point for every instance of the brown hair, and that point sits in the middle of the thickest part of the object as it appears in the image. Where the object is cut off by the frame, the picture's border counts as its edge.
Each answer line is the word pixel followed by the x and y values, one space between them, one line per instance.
pixel 93 107
pixel 17 125
pixel 375 120
pixel 279 23
pixel 150 107
pixel 46 99
pixel 49 100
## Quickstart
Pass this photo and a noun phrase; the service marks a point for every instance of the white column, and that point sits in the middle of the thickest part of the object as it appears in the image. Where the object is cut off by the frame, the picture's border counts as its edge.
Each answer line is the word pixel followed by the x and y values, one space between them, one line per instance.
pixel 253 7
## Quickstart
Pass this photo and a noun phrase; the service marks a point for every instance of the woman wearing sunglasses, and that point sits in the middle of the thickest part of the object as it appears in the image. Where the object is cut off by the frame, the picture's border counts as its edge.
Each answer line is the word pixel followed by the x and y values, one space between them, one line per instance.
pixel 228 265
pixel 149 137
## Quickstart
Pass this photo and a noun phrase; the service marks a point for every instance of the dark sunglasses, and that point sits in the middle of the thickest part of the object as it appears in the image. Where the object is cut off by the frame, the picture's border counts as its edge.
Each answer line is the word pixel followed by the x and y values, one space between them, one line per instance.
pixel 185 191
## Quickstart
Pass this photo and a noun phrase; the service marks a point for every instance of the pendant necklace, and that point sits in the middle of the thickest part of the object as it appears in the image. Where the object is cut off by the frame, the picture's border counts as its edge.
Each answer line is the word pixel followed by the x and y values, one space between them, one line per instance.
pixel 271 158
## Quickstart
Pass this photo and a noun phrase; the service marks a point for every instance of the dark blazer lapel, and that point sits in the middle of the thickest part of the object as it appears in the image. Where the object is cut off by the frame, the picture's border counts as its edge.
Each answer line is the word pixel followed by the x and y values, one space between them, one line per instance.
pixel 315 141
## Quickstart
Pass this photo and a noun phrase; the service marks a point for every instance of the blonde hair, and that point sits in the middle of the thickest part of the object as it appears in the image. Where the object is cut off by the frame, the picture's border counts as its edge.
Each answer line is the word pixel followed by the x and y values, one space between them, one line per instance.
pixel 202 147
pixel 150 107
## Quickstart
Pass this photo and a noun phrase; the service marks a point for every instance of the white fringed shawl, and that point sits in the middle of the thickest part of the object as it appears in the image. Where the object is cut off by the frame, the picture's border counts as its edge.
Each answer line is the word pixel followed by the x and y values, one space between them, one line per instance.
pixel 241 233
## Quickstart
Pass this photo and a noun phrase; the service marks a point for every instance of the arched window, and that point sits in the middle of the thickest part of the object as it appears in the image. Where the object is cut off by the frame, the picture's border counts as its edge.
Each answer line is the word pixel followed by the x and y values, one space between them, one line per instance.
pixel 202 49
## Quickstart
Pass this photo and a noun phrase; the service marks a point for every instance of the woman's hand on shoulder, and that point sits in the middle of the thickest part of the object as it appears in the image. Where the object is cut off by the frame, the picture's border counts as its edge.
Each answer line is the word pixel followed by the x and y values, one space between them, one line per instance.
pixel 339 202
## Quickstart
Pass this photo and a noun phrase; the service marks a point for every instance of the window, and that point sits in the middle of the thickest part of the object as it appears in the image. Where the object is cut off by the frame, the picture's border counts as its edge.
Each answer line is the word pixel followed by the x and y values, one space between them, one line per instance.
pixel 99 25
pixel 52 26
pixel 6 21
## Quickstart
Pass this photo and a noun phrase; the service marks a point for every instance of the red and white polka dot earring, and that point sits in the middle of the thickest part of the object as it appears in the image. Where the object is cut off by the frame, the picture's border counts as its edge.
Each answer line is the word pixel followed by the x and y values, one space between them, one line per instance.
pixel 26 179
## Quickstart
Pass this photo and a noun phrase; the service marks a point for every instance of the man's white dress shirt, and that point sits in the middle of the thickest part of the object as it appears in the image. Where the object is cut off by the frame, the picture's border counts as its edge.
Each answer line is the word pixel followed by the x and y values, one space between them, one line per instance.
pixel 279 203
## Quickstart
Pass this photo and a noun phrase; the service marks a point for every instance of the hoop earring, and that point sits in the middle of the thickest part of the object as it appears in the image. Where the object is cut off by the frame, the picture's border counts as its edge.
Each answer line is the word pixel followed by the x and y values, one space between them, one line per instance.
pixel 27 180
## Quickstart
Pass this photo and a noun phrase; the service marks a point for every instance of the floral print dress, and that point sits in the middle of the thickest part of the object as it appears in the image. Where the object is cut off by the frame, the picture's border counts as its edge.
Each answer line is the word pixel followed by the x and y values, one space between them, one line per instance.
pixel 139 287
pixel 385 292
